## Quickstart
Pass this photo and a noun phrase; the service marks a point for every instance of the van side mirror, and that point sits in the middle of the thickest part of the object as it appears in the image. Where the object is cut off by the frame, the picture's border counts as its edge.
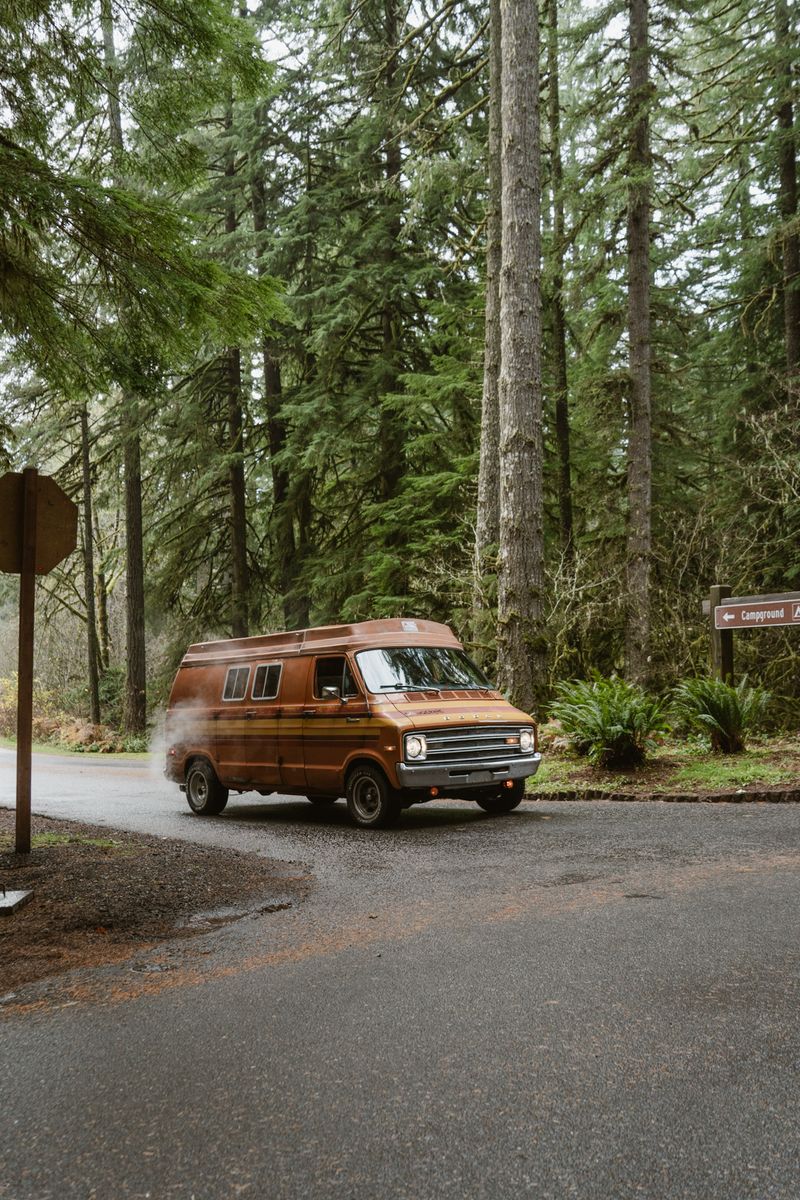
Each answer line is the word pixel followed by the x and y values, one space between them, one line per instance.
pixel 331 693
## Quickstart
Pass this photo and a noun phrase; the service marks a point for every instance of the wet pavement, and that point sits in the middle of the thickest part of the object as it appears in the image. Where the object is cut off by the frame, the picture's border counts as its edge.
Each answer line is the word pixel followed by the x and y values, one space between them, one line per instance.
pixel 589 1000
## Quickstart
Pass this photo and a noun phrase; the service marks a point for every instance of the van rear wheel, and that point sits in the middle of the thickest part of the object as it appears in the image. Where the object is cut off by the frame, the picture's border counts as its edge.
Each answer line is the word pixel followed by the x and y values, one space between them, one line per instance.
pixel 505 800
pixel 205 793
pixel 372 804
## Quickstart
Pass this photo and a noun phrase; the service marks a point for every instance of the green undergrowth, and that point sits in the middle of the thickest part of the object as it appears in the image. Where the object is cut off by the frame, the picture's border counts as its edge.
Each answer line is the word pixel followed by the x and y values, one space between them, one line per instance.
pixel 9 743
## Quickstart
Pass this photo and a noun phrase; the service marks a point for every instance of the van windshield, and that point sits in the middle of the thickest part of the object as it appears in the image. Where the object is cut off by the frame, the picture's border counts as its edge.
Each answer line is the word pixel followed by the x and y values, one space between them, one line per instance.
pixel 419 668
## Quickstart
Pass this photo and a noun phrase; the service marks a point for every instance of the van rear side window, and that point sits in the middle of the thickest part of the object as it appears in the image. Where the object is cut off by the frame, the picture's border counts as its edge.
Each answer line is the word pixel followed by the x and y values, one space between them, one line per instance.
pixel 267 681
pixel 236 683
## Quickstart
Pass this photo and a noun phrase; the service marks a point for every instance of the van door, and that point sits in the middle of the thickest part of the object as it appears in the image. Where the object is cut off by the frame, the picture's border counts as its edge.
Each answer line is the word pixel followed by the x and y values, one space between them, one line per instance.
pixel 291 763
pixel 261 720
pixel 333 724
pixel 231 736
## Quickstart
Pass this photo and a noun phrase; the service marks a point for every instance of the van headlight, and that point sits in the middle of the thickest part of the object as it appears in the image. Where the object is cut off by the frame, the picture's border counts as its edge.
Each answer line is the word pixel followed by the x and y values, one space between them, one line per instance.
pixel 526 740
pixel 416 746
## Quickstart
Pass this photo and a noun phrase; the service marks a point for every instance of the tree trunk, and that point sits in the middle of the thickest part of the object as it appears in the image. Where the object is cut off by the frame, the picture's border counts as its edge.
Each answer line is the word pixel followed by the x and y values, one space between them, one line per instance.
pixel 135 717
pixel 135 714
pixel 281 525
pixel 560 382
pixel 88 573
pixel 237 500
pixel 391 433
pixel 101 599
pixel 637 644
pixel 240 582
pixel 521 641
pixel 487 525
pixel 787 196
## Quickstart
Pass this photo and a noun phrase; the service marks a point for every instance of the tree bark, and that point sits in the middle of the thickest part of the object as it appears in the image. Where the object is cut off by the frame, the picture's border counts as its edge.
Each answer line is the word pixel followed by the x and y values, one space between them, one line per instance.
pixel 391 432
pixel 487 525
pixel 237 500
pixel 281 524
pixel 101 600
pixel 88 573
pixel 135 716
pixel 637 642
pixel 521 641
pixel 135 709
pixel 560 380
pixel 787 195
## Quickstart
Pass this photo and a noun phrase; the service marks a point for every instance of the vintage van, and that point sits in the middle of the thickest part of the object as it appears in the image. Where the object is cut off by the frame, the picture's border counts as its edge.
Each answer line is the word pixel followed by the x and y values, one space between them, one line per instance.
pixel 386 713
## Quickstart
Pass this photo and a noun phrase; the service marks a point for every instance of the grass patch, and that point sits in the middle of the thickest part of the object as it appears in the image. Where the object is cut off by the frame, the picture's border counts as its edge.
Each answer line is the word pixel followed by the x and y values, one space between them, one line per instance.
pixel 43 840
pixel 676 765
pixel 717 775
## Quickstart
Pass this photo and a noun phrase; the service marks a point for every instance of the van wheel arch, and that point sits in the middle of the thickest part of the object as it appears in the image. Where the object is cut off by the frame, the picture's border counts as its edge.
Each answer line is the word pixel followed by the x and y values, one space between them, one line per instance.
pixel 365 761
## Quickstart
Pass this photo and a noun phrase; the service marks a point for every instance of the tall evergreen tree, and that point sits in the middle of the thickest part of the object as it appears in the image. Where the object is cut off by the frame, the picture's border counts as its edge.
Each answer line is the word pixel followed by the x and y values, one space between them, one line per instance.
pixel 521 642
pixel 640 431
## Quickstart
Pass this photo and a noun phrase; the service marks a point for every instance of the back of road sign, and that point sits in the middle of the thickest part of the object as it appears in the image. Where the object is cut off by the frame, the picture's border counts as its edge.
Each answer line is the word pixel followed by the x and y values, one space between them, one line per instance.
pixel 56 524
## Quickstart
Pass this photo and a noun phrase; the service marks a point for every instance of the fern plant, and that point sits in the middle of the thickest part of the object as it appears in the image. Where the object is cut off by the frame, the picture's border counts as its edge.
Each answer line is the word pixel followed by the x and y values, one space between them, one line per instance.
pixel 610 721
pixel 724 712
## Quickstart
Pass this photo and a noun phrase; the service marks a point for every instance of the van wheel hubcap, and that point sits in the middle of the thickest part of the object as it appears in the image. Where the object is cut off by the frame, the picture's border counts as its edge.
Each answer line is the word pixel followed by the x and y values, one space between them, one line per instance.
pixel 198 789
pixel 366 798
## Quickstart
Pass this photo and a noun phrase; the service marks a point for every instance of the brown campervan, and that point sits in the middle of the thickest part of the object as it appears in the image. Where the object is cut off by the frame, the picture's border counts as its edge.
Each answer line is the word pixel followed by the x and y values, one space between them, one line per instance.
pixel 387 713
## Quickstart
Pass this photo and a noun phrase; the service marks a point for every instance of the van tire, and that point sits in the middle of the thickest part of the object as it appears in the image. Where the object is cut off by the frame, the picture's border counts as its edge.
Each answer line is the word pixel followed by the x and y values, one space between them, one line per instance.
pixel 206 795
pixel 372 804
pixel 504 801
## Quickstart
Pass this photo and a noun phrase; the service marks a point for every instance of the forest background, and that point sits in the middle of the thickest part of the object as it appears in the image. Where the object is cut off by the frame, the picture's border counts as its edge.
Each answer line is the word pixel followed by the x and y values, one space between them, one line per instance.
pixel 250 269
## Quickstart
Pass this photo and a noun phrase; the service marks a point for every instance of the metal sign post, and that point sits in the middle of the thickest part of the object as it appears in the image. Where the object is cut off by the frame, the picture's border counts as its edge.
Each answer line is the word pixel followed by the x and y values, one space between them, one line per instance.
pixel 38 528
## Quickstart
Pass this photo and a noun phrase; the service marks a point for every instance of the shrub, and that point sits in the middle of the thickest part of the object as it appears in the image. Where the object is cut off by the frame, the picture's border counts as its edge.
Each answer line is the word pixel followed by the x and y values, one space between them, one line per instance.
pixel 609 720
pixel 724 712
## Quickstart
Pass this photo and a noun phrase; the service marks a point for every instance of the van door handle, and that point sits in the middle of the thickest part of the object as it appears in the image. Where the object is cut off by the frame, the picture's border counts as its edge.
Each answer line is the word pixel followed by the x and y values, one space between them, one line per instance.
pixel 350 720
pixel 251 712
pixel 309 712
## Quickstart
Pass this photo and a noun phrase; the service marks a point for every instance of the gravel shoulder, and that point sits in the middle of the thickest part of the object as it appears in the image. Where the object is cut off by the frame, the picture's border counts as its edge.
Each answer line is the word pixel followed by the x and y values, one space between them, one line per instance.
pixel 101 896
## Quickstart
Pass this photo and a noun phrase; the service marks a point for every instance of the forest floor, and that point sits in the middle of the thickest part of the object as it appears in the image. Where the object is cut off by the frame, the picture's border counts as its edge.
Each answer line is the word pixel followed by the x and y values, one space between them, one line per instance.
pixel 678 770
pixel 101 898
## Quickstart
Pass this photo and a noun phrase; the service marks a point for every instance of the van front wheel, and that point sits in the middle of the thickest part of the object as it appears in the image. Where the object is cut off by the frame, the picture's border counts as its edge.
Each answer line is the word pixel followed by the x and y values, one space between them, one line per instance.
pixel 205 793
pixel 372 804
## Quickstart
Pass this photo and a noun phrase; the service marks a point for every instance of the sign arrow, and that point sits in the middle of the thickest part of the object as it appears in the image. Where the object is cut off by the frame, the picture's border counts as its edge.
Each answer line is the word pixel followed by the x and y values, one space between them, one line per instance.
pixel 728 616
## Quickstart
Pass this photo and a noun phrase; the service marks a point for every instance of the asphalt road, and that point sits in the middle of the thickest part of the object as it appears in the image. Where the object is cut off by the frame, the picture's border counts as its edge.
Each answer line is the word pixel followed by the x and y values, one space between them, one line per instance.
pixel 575 1000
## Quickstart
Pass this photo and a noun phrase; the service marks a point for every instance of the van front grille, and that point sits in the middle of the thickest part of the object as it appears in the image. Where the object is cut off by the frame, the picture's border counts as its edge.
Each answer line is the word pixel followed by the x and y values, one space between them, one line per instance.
pixel 478 744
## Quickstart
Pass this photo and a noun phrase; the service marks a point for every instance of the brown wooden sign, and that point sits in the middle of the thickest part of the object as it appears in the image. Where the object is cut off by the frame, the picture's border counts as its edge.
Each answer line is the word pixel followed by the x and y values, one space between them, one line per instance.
pixel 758 612
pixel 56 524
pixel 38 527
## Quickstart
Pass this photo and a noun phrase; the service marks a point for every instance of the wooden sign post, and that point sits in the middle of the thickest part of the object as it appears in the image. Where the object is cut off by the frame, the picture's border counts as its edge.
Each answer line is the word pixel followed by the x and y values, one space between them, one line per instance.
pixel 38 528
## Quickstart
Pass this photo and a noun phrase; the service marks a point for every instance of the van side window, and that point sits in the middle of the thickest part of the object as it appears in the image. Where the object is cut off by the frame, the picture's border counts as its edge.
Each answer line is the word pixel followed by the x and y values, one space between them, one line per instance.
pixel 266 681
pixel 334 672
pixel 236 683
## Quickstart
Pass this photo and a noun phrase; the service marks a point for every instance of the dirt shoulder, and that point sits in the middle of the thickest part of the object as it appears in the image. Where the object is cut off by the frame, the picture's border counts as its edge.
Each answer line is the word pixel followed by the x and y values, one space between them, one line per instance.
pixel 101 895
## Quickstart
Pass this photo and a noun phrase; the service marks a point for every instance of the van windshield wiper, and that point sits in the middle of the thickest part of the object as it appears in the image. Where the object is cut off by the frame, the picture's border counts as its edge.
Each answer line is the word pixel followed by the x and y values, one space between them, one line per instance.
pixel 409 687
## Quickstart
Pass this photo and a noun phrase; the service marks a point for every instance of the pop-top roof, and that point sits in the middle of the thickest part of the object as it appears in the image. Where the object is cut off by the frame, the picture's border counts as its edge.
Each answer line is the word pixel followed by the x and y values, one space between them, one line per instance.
pixel 398 631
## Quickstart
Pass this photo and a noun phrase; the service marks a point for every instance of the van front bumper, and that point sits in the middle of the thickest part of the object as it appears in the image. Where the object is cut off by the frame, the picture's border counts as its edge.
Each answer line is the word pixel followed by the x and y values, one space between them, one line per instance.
pixel 453 775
